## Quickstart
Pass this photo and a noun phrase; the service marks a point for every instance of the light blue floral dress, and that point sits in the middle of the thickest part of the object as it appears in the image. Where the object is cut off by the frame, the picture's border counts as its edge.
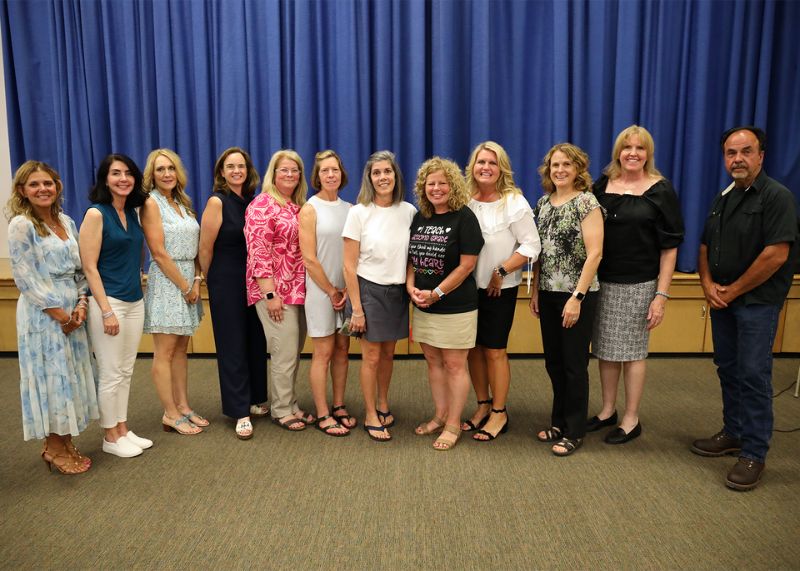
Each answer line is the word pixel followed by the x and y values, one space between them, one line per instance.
pixel 57 385
pixel 165 310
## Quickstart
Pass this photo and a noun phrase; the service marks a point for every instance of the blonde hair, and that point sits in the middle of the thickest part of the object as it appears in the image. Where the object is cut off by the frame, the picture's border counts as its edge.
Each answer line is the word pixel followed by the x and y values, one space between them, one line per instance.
pixel 300 191
pixel 614 168
pixel 505 183
pixel 583 181
pixel 459 195
pixel 178 193
pixel 19 205
pixel 318 158
pixel 366 194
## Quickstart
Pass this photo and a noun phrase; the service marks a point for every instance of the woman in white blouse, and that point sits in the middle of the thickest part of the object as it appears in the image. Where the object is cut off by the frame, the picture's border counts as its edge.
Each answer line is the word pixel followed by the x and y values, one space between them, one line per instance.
pixel 511 239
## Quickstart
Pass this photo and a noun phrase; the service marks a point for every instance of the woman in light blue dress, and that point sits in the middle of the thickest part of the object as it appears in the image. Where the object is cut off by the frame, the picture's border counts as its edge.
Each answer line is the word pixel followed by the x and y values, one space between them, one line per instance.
pixel 172 301
pixel 56 382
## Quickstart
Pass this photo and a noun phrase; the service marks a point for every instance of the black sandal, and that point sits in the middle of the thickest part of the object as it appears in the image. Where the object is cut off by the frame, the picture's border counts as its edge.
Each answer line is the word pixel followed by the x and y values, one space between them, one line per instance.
pixel 482 422
pixel 550 434
pixel 491 436
pixel 382 416
pixel 570 445
pixel 327 429
pixel 341 418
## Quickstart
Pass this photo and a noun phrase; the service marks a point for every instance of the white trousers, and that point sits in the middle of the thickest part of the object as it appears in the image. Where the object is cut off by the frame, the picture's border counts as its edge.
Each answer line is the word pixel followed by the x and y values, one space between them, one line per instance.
pixel 284 342
pixel 116 355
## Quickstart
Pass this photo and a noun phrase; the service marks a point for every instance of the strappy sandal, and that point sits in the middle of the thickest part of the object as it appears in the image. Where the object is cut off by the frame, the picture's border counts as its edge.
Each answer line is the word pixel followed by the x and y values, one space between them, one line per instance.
pixel 192 415
pixel 423 430
pixel 331 430
pixel 482 422
pixel 291 420
pixel 259 410
pixel 550 434
pixel 382 416
pixel 442 444
pixel 491 436
pixel 244 429
pixel 343 419
pixel 65 463
pixel 569 445
pixel 369 429
pixel 180 425
pixel 73 451
pixel 305 417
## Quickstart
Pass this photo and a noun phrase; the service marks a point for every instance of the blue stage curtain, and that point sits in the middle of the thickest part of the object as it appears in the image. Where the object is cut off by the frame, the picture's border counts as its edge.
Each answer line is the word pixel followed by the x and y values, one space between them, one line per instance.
pixel 88 77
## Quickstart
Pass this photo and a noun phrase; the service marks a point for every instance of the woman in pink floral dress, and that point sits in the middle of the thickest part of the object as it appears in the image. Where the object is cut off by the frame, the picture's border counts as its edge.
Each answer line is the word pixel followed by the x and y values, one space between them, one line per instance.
pixel 276 279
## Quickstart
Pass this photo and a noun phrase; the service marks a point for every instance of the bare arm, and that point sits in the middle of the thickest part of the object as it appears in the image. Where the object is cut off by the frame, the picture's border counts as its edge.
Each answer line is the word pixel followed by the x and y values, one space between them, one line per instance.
pixel 90 240
pixel 358 322
pixel 592 231
pixel 768 262
pixel 534 302
pixel 210 224
pixel 154 234
pixel 308 247
pixel 666 267
pixel 466 264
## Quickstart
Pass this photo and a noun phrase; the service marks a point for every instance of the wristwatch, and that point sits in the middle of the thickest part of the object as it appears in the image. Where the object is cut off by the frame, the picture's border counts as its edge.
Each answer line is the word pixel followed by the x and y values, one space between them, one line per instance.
pixel 501 271
pixel 578 295
pixel 270 295
pixel 438 291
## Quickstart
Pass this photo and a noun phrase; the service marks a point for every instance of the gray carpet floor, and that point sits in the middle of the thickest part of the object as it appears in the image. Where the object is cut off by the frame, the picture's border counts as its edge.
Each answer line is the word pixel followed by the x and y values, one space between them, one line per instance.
pixel 308 501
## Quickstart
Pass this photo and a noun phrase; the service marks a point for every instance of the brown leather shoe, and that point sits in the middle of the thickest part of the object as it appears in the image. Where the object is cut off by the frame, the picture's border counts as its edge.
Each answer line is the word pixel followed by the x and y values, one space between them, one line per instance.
pixel 718 445
pixel 745 474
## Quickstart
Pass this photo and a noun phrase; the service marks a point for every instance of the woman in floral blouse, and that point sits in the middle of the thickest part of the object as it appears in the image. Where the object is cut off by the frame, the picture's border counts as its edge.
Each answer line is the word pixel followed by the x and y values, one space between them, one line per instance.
pixel 276 279
pixel 570 222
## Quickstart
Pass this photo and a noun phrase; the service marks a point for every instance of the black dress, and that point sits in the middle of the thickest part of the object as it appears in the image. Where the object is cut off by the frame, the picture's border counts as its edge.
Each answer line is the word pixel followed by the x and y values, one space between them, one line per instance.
pixel 238 334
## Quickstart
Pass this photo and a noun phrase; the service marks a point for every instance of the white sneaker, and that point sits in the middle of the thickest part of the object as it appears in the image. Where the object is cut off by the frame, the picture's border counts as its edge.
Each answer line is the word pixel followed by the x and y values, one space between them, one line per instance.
pixel 142 443
pixel 123 448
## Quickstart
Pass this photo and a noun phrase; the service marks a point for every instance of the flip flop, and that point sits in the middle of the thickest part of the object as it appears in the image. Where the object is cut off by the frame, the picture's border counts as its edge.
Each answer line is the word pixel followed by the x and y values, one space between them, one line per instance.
pixel 382 417
pixel 368 428
pixel 329 430
pixel 341 418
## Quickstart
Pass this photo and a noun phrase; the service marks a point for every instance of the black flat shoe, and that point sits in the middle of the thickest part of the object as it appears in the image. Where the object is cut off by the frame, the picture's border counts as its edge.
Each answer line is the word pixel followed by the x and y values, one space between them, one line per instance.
pixel 619 436
pixel 594 424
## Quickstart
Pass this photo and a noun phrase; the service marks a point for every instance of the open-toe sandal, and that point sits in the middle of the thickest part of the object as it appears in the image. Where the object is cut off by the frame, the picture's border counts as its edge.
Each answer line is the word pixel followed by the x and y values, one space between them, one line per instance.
pixel 181 425
pixel 382 416
pixel 441 443
pixel 196 419
pixel 550 434
pixel 305 417
pixel 332 429
pixel 482 422
pixel 489 435
pixel 291 420
pixel 370 429
pixel 244 429
pixel 347 420
pixel 423 430
pixel 569 445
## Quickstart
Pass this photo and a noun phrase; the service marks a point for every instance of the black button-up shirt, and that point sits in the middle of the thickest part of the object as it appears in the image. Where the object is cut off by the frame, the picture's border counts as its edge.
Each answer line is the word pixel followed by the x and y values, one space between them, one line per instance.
pixel 744 222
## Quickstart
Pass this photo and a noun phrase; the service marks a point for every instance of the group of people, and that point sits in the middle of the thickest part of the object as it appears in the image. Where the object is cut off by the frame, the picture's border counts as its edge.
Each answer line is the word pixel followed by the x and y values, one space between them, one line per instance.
pixel 279 265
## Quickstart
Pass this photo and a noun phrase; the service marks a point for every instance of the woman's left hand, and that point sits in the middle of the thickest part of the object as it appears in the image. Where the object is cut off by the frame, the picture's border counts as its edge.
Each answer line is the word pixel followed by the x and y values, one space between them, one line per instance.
pixel 655 313
pixel 79 315
pixel 571 313
pixel 194 294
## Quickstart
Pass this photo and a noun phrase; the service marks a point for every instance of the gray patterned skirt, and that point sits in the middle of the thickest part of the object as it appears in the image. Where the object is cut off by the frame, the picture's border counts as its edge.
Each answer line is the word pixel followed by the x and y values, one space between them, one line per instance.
pixel 620 324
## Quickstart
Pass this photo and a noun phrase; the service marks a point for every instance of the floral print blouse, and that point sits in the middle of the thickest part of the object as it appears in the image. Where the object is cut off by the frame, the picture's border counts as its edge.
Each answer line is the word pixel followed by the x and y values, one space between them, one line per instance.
pixel 563 250
pixel 273 250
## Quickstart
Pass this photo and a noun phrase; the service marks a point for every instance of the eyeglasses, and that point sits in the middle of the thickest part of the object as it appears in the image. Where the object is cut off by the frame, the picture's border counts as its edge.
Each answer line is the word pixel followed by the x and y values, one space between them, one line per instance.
pixel 288 172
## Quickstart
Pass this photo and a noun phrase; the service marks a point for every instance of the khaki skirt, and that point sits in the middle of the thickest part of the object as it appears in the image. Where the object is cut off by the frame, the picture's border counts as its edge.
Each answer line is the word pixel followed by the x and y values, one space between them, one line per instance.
pixel 445 330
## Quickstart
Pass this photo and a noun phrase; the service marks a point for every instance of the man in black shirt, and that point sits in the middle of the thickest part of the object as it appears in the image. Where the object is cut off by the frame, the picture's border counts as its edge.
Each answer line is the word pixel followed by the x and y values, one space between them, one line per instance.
pixel 745 273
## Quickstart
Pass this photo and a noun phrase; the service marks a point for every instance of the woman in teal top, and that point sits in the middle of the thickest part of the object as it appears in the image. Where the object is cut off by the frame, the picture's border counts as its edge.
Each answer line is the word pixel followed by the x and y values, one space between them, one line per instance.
pixel 111 244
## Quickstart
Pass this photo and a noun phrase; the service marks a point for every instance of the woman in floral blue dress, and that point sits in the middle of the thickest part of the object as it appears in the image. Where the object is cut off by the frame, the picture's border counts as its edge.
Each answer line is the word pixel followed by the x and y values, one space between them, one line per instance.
pixel 172 301
pixel 56 382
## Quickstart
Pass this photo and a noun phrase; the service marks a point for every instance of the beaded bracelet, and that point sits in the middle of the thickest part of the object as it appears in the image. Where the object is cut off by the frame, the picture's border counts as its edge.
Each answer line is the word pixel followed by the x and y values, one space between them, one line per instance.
pixel 67 322
pixel 188 290
pixel 107 314
pixel 662 293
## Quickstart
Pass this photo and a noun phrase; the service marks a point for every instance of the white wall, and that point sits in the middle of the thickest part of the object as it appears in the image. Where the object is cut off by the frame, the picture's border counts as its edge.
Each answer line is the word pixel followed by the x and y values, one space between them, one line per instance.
pixel 5 163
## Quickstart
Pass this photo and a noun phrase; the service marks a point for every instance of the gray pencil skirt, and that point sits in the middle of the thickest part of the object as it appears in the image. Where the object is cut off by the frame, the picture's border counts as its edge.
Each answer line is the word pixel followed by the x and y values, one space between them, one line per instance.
pixel 620 323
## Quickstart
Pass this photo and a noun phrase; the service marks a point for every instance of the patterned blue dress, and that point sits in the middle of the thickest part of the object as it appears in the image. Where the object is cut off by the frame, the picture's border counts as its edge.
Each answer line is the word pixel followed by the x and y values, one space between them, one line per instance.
pixel 57 385
pixel 165 310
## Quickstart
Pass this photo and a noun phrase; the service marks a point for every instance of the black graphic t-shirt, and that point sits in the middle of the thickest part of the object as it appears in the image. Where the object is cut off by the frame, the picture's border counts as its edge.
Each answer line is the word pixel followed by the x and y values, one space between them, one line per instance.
pixel 436 246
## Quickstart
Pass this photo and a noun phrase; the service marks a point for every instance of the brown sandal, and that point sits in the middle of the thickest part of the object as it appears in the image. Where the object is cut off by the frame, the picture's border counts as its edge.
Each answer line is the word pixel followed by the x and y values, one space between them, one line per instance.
pixel 446 444
pixel 423 430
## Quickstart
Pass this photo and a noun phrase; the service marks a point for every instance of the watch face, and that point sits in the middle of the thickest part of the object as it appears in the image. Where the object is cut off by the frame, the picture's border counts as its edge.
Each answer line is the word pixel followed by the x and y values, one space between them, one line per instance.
pixel 270 295
pixel 579 296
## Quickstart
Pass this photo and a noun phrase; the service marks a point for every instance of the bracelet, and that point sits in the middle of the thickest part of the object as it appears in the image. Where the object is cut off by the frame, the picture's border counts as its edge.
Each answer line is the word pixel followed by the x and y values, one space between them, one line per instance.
pixel 188 290
pixel 82 302
pixel 107 314
pixel 67 322
pixel 198 278
pixel 354 314
pixel 662 293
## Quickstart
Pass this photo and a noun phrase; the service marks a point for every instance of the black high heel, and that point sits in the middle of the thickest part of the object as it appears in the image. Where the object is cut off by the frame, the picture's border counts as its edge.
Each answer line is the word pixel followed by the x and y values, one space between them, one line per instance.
pixel 489 434
pixel 482 422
